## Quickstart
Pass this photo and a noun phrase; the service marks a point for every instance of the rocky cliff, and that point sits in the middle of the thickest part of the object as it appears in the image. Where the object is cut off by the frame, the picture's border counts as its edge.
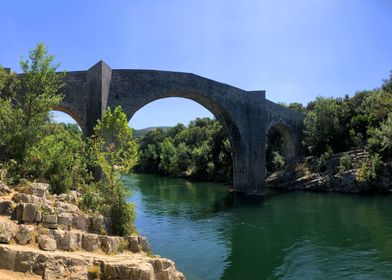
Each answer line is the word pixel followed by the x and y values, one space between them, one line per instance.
pixel 311 175
pixel 48 235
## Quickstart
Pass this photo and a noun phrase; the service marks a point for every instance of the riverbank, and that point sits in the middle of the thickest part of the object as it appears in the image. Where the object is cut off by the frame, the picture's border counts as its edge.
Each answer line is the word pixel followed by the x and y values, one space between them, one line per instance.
pixel 50 236
pixel 309 175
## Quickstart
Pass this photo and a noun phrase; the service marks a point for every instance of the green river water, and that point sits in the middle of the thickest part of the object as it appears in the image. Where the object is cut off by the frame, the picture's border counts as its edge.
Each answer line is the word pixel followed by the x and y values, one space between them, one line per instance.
pixel 211 234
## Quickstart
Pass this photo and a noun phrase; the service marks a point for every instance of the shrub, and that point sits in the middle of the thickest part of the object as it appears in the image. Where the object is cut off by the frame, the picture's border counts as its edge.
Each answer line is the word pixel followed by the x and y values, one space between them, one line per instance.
pixel 345 163
pixel 115 152
pixel 367 171
pixel 58 158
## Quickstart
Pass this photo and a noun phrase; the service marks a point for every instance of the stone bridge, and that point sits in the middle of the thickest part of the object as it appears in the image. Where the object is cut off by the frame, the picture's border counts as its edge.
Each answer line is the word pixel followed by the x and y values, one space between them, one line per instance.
pixel 247 116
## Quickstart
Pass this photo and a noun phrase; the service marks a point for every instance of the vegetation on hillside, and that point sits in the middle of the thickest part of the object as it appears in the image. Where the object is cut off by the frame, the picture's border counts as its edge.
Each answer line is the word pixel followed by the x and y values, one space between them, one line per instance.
pixel 33 147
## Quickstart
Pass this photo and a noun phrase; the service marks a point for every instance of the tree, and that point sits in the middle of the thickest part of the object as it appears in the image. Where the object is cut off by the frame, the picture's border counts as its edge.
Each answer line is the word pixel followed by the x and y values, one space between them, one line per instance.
pixel 321 125
pixel 25 105
pixel 115 152
pixel 40 85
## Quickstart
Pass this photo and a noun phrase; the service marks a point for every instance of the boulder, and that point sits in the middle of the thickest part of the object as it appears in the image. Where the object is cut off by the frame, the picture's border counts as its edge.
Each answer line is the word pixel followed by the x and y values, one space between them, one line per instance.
pixel 110 244
pixel 6 207
pixel 67 240
pixel 133 244
pixel 67 207
pixel 6 233
pixel 49 221
pixel 47 243
pixel 38 189
pixel 143 242
pixel 64 219
pixel 18 212
pixel 26 198
pixel 4 189
pixel 24 234
pixel 98 224
pixel 38 216
pixel 80 222
pixel 91 242
pixel 29 212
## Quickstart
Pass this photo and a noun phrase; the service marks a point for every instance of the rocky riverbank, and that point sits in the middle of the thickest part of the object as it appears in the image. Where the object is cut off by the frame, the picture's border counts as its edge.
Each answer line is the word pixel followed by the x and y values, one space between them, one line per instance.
pixel 311 176
pixel 50 236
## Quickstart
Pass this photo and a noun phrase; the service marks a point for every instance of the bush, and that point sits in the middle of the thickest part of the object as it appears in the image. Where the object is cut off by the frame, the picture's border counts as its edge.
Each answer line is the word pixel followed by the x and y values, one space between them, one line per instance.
pixel 345 163
pixel 58 158
pixel 367 171
pixel 115 153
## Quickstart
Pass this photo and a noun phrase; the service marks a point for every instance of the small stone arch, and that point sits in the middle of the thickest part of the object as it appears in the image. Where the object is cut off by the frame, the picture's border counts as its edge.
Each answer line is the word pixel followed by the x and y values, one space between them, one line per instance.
pixel 289 147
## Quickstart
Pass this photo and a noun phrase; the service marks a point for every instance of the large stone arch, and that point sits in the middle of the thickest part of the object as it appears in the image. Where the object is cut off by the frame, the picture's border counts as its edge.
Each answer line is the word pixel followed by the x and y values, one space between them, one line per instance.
pixel 155 85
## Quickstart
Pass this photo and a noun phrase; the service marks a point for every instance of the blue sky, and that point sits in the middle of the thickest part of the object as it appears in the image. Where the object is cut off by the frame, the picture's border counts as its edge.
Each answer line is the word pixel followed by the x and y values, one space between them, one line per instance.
pixel 293 49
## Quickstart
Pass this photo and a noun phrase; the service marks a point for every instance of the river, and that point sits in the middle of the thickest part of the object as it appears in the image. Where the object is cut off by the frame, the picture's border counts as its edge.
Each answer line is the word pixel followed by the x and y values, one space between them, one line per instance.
pixel 211 234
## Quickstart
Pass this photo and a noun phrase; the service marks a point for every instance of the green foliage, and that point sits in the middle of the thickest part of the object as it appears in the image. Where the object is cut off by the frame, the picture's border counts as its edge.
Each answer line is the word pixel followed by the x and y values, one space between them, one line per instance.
pixel 200 151
pixel 367 171
pixel 274 159
pixel 322 162
pixel 60 158
pixel 115 152
pixel 345 163
pixel 9 84
pixel 385 135
pixel 23 116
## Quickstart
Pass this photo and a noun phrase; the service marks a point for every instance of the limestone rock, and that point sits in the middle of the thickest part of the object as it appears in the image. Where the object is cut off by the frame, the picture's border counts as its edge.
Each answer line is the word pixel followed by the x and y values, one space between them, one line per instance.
pixel 80 222
pixel 143 242
pixel 67 207
pixel 18 212
pixel 110 244
pixel 6 233
pixel 24 234
pixel 26 198
pixel 91 242
pixel 38 189
pixel 6 207
pixel 133 244
pixel 29 212
pixel 98 224
pixel 67 240
pixel 38 216
pixel 4 189
pixel 49 221
pixel 63 265
pixel 47 243
pixel 64 219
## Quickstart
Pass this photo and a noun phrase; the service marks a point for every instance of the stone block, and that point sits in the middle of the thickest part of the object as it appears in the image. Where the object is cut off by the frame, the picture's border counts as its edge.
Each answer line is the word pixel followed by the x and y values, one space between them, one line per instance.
pixel 80 222
pixel 6 207
pixel 47 243
pixel 67 240
pixel 110 244
pixel 91 242
pixel 29 212
pixel 24 234
pixel 64 219
pixel 6 233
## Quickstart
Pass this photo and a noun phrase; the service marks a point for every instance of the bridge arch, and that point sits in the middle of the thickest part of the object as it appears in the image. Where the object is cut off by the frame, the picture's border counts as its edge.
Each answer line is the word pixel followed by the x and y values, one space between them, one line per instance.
pixel 289 145
pixel 222 115
pixel 78 119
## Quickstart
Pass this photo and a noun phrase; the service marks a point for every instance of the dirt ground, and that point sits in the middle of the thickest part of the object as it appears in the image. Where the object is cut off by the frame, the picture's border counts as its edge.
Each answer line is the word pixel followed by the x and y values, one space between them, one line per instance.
pixel 10 275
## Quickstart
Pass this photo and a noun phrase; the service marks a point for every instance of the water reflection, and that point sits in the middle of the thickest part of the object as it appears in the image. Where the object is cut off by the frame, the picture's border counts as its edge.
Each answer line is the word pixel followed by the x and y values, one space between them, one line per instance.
pixel 212 234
